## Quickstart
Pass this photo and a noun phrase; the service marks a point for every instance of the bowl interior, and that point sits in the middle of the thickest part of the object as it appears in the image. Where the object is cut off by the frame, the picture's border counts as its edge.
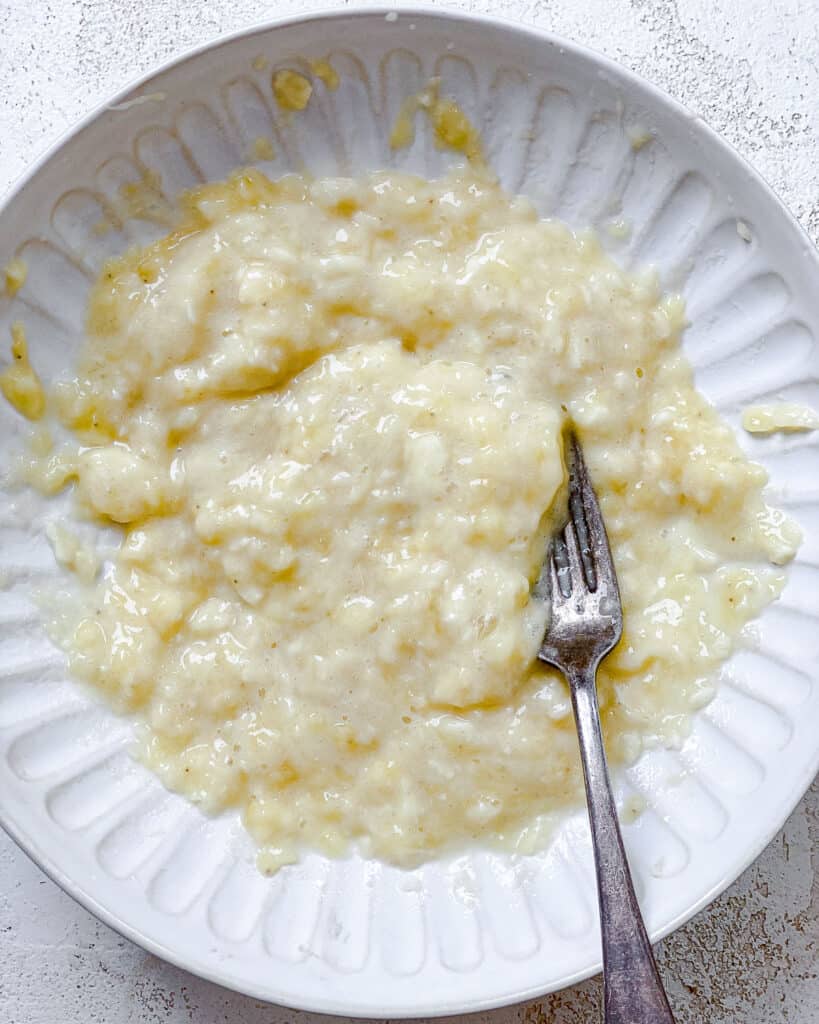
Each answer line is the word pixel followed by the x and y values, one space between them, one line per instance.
pixel 586 141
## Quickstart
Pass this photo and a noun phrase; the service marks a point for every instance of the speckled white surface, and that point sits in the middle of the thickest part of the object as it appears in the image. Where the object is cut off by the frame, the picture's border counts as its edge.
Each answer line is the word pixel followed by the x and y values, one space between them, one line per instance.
pixel 748 67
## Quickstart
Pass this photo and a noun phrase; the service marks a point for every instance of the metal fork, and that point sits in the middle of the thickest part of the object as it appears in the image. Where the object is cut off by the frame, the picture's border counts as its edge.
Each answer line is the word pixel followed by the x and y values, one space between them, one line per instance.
pixel 585 624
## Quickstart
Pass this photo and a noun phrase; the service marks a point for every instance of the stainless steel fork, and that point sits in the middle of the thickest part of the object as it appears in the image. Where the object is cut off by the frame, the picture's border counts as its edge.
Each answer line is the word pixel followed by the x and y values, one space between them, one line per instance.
pixel 585 624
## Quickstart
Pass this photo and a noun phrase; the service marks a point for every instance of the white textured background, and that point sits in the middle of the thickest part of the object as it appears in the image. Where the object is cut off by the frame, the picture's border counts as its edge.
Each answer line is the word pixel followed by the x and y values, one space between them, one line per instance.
pixel 751 69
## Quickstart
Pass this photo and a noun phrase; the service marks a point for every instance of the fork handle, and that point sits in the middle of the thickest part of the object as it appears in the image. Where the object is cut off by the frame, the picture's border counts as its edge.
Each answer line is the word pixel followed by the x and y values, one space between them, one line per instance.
pixel 633 992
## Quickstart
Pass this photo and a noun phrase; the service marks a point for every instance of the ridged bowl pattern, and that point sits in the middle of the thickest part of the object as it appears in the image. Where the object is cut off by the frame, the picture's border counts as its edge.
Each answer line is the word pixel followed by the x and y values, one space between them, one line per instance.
pixel 588 143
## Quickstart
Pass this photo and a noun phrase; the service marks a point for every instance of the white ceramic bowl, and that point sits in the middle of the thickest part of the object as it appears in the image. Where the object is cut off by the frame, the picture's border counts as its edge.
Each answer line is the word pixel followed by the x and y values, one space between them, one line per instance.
pixel 563 126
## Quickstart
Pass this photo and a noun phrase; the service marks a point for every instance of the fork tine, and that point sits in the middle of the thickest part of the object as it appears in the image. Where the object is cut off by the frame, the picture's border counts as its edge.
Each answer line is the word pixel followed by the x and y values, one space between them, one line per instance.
pixel 559 556
pixel 577 575
pixel 598 550
pixel 577 513
pixel 556 594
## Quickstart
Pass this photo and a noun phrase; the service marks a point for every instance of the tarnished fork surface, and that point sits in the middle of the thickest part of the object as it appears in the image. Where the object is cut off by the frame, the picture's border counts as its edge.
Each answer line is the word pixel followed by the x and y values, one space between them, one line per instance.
pixel 586 622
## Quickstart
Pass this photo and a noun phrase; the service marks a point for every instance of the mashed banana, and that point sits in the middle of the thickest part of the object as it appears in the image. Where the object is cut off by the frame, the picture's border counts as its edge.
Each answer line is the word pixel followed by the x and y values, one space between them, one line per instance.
pixel 19 383
pixel 327 415
pixel 787 417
